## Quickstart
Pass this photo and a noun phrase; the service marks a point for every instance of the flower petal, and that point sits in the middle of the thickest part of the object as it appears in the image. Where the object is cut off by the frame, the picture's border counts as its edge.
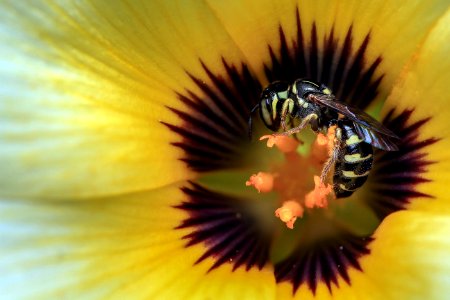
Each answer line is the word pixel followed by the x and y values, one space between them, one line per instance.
pixel 116 247
pixel 232 228
pixel 395 30
pixel 396 175
pixel 408 260
pixel 423 88
pixel 85 86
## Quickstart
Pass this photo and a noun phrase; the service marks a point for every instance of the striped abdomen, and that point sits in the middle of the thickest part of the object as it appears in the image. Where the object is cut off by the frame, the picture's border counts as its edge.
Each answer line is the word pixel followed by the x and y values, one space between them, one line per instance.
pixel 354 163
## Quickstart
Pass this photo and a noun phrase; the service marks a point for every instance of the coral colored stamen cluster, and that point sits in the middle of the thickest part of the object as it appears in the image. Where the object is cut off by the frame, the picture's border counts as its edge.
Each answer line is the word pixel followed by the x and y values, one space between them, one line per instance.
pixel 292 180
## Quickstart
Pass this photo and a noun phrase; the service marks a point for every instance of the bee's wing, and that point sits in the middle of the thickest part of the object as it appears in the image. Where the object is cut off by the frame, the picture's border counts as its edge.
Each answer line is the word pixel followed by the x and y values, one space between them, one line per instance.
pixel 376 139
pixel 372 131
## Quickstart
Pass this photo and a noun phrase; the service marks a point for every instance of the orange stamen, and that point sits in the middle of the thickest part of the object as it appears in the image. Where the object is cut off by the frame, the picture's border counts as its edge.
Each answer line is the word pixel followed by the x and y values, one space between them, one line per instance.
pixel 322 148
pixel 284 143
pixel 318 196
pixel 322 140
pixel 327 140
pixel 331 135
pixel 262 181
pixel 289 212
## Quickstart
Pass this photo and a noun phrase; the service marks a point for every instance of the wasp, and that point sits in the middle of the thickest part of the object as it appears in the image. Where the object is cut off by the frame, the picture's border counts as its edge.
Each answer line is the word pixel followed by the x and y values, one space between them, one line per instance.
pixel 311 103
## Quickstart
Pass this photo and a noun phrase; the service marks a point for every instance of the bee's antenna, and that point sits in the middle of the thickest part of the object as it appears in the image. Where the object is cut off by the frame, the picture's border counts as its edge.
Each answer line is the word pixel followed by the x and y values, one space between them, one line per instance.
pixel 255 108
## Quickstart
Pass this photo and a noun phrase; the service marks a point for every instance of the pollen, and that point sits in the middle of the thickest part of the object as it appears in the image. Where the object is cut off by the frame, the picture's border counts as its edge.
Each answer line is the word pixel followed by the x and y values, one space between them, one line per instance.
pixel 295 179
pixel 327 140
pixel 318 196
pixel 322 139
pixel 262 181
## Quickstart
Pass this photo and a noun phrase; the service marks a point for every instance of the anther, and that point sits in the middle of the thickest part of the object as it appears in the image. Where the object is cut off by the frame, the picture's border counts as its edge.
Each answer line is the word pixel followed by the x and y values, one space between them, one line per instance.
pixel 289 212
pixel 318 196
pixel 284 144
pixel 262 181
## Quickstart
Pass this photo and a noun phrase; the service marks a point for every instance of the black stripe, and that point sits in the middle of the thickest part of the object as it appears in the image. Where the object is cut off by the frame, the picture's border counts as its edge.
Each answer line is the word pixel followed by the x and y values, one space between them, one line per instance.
pixel 352 149
pixel 349 183
pixel 359 168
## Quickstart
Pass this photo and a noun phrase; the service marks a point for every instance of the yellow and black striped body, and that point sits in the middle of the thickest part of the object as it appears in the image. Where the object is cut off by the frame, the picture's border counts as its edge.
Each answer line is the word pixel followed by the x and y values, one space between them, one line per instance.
pixel 354 162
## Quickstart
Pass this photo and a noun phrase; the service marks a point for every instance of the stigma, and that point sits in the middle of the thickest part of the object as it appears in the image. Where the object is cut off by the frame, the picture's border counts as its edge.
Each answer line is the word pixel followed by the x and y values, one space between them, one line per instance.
pixel 298 180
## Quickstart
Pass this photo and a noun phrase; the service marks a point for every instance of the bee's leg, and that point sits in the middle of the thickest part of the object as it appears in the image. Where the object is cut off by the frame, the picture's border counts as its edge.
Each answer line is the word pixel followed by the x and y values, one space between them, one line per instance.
pixel 300 127
pixel 333 157
pixel 283 121
pixel 287 107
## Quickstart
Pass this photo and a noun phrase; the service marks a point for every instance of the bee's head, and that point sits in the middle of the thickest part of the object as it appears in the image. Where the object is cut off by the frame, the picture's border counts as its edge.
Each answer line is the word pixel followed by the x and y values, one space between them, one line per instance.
pixel 303 87
pixel 271 101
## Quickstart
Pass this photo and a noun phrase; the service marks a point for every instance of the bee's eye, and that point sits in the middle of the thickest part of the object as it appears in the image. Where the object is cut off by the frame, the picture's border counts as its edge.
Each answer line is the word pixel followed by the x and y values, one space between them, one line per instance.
pixel 272 96
pixel 265 111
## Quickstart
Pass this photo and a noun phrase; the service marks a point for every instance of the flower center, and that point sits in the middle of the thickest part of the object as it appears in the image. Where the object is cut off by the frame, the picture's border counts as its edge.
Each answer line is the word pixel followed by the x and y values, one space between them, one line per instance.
pixel 296 179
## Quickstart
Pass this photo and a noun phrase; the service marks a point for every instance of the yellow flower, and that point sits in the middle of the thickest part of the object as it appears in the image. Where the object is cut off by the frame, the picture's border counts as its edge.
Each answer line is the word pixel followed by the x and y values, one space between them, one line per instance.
pixel 124 150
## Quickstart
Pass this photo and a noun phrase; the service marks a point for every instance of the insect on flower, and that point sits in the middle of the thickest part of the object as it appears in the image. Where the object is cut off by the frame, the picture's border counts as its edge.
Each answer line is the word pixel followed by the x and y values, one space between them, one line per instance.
pixel 307 102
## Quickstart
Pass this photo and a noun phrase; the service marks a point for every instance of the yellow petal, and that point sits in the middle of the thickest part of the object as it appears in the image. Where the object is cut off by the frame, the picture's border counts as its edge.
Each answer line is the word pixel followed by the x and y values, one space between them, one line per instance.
pixel 409 259
pixel 115 247
pixel 86 85
pixel 423 87
pixel 395 28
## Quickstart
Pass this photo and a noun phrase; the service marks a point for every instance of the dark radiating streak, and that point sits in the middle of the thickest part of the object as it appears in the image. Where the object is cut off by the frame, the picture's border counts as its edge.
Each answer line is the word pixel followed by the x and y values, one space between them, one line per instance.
pixel 226 227
pixel 395 175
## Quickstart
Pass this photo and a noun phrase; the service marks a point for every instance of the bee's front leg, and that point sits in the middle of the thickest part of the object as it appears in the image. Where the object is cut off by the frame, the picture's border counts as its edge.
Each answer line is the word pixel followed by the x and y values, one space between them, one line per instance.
pixel 300 127
pixel 283 121
pixel 287 108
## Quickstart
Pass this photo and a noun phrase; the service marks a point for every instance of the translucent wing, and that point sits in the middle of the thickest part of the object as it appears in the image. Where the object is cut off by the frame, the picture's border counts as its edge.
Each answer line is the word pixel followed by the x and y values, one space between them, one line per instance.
pixel 372 131
pixel 376 139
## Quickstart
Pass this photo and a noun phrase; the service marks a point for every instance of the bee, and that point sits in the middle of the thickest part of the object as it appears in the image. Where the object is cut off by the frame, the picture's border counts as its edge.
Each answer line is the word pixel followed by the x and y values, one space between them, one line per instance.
pixel 311 103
